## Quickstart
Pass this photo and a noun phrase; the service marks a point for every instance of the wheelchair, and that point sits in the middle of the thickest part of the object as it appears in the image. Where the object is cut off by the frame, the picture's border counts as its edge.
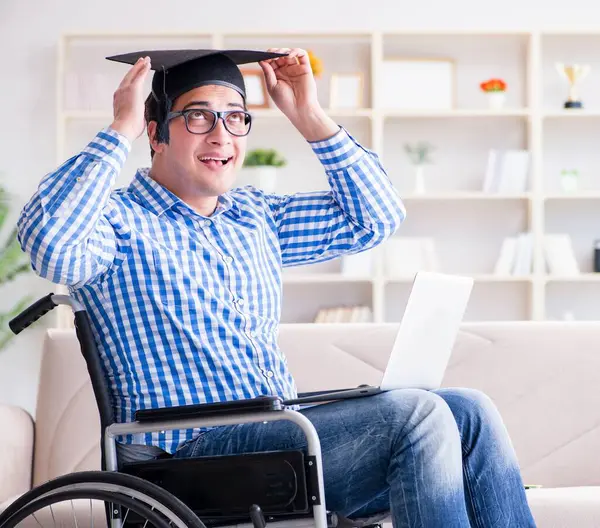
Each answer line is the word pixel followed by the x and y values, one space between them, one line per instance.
pixel 282 488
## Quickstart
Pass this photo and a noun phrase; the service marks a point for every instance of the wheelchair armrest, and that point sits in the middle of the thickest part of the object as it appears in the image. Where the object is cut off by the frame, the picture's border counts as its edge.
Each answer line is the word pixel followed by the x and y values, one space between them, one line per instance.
pixel 254 405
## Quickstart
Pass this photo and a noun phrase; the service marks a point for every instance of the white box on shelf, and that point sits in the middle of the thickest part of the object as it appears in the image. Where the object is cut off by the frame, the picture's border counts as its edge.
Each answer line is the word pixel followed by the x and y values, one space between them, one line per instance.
pixel 417 84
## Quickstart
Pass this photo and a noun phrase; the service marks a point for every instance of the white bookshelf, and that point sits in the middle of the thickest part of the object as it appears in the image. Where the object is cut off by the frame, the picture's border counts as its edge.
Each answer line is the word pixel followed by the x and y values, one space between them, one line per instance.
pixel 467 224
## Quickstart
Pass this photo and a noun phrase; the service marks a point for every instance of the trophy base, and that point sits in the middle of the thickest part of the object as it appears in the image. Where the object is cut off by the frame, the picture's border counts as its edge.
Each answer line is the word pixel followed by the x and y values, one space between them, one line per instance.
pixel 573 104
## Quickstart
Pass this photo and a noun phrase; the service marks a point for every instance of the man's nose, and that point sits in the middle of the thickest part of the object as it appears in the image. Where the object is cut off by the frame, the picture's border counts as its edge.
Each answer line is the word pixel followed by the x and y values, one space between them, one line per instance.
pixel 219 134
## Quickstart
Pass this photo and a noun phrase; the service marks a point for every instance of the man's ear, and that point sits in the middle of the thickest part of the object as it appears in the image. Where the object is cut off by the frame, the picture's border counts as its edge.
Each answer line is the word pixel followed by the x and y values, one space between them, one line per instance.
pixel 151 129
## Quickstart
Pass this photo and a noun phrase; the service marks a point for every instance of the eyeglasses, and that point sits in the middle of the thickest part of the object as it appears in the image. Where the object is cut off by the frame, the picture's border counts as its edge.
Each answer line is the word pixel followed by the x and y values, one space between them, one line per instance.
pixel 237 122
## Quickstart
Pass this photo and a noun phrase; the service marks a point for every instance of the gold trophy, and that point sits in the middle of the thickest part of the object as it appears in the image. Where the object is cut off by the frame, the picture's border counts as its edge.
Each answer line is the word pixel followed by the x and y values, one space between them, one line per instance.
pixel 574 73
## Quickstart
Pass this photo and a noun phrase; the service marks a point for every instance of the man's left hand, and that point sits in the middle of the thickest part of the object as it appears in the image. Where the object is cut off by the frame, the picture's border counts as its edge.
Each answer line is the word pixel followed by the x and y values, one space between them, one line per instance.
pixel 291 85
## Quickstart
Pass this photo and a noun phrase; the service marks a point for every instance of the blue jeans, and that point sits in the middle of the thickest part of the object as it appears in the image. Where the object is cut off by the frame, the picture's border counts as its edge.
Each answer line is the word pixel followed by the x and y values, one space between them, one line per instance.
pixel 432 459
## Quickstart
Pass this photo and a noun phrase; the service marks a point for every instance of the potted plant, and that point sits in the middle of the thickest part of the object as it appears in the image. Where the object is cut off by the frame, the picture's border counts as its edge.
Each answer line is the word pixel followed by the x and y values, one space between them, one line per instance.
pixel 496 92
pixel 260 167
pixel 419 156
pixel 13 262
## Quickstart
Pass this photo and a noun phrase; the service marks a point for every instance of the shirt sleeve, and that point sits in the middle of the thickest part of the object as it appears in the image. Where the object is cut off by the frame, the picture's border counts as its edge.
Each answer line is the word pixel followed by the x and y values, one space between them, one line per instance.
pixel 361 209
pixel 66 227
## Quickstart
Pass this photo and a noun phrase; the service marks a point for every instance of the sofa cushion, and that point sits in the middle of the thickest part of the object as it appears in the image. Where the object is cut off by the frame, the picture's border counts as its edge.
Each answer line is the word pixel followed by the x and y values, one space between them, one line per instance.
pixel 565 507
pixel 67 420
pixel 16 450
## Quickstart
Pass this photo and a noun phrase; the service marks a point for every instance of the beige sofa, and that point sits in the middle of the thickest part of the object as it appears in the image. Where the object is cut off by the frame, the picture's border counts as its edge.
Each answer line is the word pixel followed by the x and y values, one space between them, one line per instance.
pixel 544 377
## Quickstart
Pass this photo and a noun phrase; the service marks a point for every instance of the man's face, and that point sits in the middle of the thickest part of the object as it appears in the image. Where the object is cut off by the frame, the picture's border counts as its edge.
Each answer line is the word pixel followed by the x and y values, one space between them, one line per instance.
pixel 207 162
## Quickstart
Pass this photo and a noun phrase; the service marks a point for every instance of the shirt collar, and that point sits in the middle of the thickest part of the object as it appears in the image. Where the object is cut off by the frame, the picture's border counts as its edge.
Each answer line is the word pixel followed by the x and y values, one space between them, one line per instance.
pixel 158 199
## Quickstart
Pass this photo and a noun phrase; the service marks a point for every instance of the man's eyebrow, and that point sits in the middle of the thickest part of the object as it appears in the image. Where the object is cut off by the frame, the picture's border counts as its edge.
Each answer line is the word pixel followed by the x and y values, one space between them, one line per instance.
pixel 206 103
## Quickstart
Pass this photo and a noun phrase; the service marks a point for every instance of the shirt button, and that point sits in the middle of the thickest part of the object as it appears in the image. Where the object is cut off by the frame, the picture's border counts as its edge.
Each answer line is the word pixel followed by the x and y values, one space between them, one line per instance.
pixel 252 333
pixel 227 259
pixel 239 302
pixel 270 374
pixel 206 223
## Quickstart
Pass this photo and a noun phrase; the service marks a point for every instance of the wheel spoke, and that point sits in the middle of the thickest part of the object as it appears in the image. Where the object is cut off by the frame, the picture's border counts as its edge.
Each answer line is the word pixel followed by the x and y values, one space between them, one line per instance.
pixel 36 520
pixel 74 514
pixel 53 518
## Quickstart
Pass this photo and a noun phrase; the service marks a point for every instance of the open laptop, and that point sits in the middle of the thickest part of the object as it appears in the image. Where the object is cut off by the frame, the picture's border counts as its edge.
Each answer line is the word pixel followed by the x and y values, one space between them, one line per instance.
pixel 425 339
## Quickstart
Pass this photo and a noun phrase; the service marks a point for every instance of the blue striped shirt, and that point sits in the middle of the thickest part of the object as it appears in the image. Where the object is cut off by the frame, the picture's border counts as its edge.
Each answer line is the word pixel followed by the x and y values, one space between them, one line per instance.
pixel 185 308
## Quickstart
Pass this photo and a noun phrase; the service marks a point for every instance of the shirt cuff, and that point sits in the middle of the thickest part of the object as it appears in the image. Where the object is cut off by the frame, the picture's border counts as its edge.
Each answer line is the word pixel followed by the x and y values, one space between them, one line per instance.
pixel 339 151
pixel 109 146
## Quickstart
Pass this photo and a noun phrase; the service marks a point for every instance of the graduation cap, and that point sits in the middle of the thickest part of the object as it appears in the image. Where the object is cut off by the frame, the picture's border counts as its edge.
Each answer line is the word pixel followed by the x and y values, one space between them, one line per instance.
pixel 179 71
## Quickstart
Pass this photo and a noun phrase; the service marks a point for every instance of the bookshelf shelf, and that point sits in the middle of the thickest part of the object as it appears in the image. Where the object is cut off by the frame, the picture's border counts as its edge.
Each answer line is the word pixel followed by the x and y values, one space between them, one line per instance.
pixel 464 196
pixel 460 112
pixel 476 277
pixel 590 195
pixel 315 278
pixel 467 225
pixel 583 277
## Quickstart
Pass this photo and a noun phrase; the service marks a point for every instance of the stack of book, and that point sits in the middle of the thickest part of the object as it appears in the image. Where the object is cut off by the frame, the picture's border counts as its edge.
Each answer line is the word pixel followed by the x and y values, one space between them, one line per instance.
pixel 516 255
pixel 345 314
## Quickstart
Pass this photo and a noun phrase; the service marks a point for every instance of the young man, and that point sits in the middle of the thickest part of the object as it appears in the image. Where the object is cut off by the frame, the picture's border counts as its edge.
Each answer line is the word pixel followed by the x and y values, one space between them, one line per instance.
pixel 181 276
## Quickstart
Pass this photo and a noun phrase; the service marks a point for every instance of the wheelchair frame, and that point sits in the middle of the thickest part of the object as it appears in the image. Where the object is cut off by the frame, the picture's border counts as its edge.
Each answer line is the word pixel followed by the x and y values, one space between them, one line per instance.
pixel 111 429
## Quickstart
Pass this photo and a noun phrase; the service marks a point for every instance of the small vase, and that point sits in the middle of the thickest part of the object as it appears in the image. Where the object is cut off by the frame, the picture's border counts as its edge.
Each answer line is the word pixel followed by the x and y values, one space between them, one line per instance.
pixel 419 180
pixel 569 180
pixel 496 100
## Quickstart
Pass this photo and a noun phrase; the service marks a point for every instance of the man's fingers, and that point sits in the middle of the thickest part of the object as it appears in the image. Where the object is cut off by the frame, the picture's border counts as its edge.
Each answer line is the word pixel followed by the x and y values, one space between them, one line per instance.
pixel 133 71
pixel 141 74
pixel 269 73
pixel 295 70
pixel 294 56
pixel 302 57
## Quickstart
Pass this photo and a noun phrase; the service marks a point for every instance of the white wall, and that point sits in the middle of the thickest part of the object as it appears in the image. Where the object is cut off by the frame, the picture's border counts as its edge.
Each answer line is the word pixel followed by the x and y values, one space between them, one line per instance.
pixel 29 31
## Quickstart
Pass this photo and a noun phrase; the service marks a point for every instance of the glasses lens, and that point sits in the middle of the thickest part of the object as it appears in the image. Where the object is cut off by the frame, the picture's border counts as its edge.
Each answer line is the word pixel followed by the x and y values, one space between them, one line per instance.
pixel 238 123
pixel 200 121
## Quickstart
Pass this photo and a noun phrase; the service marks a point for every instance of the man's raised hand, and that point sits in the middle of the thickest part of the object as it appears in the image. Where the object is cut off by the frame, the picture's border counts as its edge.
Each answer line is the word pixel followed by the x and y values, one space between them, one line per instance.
pixel 128 101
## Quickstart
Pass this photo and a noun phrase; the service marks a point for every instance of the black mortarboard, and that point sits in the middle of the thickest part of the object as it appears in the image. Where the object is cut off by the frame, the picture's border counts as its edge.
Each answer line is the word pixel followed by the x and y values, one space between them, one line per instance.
pixel 178 71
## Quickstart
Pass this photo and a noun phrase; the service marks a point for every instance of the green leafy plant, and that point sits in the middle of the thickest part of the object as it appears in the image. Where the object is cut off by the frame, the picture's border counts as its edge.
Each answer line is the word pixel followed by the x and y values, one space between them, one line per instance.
pixel 13 262
pixel 264 158
pixel 419 153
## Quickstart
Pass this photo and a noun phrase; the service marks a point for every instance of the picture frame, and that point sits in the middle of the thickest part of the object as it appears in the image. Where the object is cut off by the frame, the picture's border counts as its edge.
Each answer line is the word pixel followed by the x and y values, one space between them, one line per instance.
pixel 346 90
pixel 256 88
pixel 417 84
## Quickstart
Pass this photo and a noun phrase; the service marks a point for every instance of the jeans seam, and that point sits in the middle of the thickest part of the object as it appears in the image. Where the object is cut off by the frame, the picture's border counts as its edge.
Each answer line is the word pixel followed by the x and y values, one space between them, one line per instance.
pixel 477 517
pixel 195 447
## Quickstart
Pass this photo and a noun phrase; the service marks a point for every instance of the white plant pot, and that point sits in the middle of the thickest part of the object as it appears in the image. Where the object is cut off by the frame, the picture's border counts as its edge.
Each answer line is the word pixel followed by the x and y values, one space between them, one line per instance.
pixel 264 178
pixel 496 100
pixel 419 180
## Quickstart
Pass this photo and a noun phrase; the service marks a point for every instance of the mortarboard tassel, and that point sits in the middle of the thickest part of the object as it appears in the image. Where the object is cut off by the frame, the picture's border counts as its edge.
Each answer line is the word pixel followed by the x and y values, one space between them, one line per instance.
pixel 164 107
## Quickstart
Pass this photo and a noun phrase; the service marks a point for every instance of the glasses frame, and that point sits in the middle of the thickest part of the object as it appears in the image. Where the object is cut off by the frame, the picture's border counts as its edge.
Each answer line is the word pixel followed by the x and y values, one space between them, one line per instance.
pixel 218 115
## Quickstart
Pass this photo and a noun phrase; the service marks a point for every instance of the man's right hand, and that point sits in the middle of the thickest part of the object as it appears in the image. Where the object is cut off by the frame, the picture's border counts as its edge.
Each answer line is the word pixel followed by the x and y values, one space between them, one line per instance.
pixel 128 101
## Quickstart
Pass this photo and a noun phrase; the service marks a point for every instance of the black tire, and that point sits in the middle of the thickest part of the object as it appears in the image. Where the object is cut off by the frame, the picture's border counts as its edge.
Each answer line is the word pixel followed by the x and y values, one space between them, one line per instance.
pixel 144 512
pixel 125 481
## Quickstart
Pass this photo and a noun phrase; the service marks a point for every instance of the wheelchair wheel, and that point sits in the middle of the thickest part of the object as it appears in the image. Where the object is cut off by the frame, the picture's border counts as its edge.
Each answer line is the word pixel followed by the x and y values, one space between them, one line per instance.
pixel 90 496
pixel 41 513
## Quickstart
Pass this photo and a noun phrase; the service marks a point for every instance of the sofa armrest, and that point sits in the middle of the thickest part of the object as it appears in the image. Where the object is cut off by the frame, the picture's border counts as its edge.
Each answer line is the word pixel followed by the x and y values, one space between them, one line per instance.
pixel 16 451
pixel 254 405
